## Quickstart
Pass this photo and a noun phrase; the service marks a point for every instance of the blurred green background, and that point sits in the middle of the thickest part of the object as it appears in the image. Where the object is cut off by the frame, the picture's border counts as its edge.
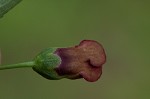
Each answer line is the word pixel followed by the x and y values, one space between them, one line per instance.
pixel 122 26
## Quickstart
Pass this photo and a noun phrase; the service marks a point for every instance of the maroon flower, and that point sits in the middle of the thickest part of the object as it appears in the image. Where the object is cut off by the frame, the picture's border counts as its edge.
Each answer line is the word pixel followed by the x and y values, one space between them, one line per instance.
pixel 82 61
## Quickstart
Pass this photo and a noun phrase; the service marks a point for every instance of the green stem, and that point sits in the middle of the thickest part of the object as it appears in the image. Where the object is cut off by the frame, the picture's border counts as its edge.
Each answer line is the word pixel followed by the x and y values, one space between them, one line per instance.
pixel 19 65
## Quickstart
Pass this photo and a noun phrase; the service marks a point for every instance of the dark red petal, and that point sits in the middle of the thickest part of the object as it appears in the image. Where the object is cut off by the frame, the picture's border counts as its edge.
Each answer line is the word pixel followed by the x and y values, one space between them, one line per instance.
pixel 85 59
pixel 94 51
pixel 92 75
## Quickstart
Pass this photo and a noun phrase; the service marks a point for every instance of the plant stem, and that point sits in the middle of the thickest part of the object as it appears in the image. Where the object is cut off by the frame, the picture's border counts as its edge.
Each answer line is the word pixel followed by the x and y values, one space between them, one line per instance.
pixel 19 65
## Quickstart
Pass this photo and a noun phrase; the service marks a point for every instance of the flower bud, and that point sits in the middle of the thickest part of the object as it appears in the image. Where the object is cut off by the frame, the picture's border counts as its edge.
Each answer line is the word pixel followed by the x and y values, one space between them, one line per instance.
pixel 82 61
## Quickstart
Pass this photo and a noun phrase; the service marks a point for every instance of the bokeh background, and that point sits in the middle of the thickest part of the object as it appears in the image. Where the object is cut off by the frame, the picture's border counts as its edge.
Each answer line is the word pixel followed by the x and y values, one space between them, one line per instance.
pixel 122 26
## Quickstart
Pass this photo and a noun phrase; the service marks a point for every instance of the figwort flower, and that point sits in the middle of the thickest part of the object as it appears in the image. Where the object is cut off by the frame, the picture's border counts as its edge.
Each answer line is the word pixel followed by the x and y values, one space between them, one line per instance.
pixel 82 61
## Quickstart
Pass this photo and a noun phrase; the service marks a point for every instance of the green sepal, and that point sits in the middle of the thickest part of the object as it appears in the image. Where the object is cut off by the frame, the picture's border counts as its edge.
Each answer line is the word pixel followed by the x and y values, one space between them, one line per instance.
pixel 46 63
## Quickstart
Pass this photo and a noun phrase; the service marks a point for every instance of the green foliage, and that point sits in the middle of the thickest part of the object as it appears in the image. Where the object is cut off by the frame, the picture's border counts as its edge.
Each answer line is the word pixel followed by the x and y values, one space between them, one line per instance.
pixel 6 5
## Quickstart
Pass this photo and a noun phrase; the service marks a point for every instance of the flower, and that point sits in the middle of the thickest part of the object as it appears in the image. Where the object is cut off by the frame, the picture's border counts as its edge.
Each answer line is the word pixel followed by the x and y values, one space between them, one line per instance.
pixel 82 61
